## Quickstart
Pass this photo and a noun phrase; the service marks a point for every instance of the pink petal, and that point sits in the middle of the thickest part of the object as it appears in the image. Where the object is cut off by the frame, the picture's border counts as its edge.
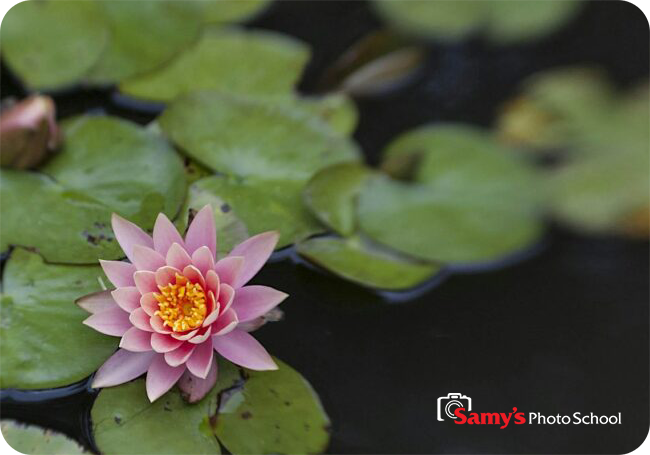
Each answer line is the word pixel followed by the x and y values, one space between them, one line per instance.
pixel 161 377
pixel 214 314
pixel 226 323
pixel 96 302
pixel 203 260
pixel 241 348
pixel 177 257
pixel 179 355
pixel 165 234
pixel 185 335
pixel 198 339
pixel 129 235
pixel 149 303
pixel 145 258
pixel 114 321
pixel 145 281
pixel 127 298
pixel 136 340
pixel 158 325
pixel 193 274
pixel 121 367
pixel 226 297
pixel 166 275
pixel 229 269
pixel 140 319
pixel 164 343
pixel 256 252
pixel 201 359
pixel 120 273
pixel 212 281
pixel 253 301
pixel 195 388
pixel 202 232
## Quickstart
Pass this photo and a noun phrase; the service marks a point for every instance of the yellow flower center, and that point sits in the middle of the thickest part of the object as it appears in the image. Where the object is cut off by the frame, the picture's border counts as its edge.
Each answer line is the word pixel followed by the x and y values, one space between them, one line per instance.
pixel 181 305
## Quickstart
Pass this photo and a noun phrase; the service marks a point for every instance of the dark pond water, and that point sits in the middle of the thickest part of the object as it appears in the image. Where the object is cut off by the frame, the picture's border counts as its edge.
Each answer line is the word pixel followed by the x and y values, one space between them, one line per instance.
pixel 564 329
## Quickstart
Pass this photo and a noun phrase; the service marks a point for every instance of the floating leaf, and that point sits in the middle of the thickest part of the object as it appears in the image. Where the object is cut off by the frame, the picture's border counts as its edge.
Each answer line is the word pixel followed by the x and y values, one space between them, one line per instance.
pixel 44 343
pixel 249 138
pixel 470 200
pixel 247 207
pixel 229 60
pixel 144 34
pixel 357 260
pixel 602 192
pixel 502 21
pixel 52 44
pixel 331 195
pixel 337 110
pixel 106 165
pixel 34 440
pixel 226 11
pixel 252 416
pixel 273 412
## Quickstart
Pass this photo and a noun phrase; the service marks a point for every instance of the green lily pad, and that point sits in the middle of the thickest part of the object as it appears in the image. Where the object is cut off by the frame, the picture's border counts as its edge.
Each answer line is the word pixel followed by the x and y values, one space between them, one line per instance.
pixel 599 193
pixel 501 21
pixel 250 206
pixel 250 138
pixel 360 261
pixel 468 201
pixel 273 412
pixel 331 195
pixel 44 344
pixel 337 110
pixel 106 165
pixel 144 34
pixel 229 60
pixel 52 44
pixel 34 440
pixel 251 412
pixel 228 11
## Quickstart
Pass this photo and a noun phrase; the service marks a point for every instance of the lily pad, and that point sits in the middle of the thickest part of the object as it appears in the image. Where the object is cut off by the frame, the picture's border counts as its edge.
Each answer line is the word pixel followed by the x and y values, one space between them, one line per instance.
pixel 249 412
pixel 468 200
pixel 228 60
pixel 44 344
pixel 600 193
pixel 358 260
pixel 337 110
pixel 245 207
pixel 501 21
pixel 52 44
pixel 106 165
pixel 228 11
pixel 144 34
pixel 273 412
pixel 34 440
pixel 331 195
pixel 251 138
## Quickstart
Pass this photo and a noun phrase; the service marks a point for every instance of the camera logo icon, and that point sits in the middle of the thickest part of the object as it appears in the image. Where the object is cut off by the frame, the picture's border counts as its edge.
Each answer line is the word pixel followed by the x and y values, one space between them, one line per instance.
pixel 447 405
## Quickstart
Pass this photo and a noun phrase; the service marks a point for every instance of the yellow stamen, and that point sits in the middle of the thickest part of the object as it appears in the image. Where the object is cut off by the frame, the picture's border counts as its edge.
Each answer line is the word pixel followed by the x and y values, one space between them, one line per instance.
pixel 181 305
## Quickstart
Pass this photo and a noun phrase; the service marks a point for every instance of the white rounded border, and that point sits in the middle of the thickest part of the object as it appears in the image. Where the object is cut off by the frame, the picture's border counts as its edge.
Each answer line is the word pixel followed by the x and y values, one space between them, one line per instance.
pixel 5 5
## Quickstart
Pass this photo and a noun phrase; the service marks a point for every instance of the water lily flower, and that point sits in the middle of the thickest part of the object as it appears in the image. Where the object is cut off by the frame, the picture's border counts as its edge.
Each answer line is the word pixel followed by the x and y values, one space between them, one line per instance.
pixel 28 132
pixel 175 304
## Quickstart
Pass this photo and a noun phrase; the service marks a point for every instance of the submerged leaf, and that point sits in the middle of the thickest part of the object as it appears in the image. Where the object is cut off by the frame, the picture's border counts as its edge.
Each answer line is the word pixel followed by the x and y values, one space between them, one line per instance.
pixel 34 440
pixel 358 260
pixel 44 343
pixel 252 138
pixel 229 60
pixel 52 44
pixel 501 21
